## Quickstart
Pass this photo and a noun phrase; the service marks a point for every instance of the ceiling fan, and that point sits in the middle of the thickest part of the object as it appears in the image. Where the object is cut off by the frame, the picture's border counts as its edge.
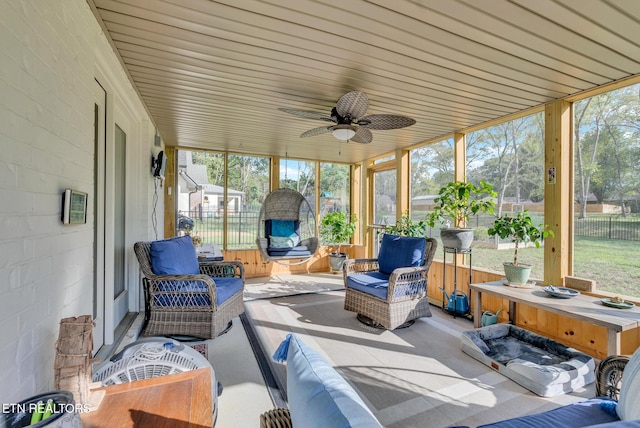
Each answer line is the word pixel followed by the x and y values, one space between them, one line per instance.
pixel 349 122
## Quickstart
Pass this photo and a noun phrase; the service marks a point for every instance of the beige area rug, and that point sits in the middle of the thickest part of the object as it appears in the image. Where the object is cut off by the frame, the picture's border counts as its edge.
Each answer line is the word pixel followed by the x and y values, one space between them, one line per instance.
pixel 413 377
pixel 287 285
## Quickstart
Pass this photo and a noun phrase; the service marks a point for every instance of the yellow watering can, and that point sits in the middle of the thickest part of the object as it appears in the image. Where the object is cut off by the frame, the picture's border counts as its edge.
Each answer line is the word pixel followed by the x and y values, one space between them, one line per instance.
pixel 489 318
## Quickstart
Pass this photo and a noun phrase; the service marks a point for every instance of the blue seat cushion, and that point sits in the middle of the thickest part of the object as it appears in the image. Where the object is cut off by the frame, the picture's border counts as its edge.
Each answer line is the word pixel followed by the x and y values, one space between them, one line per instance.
pixel 225 288
pixel 400 251
pixel 300 250
pixel 581 414
pixel 319 397
pixel 174 256
pixel 374 283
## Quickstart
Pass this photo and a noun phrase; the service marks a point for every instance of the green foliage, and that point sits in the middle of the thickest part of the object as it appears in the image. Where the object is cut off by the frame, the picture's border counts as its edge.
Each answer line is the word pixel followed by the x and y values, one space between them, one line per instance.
pixel 459 200
pixel 519 228
pixel 337 228
pixel 405 226
pixel 431 167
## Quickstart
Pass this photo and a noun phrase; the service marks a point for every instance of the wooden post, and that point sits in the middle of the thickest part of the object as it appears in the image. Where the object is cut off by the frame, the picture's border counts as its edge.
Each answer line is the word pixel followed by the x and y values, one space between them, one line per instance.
pixel 170 190
pixel 558 195
pixel 275 173
pixel 355 202
pixel 403 182
pixel 459 174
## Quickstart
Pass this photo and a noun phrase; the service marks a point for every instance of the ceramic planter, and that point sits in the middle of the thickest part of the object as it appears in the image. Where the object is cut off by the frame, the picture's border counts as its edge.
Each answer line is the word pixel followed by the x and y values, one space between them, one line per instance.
pixel 336 260
pixel 453 237
pixel 517 274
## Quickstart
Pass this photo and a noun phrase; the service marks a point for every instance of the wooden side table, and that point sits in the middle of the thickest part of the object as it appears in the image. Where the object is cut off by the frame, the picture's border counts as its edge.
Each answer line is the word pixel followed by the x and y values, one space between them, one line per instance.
pixel 172 401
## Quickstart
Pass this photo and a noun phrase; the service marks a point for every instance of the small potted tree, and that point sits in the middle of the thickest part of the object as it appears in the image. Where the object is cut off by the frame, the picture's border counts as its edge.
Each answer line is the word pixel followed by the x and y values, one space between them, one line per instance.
pixel 336 229
pixel 519 228
pixel 456 202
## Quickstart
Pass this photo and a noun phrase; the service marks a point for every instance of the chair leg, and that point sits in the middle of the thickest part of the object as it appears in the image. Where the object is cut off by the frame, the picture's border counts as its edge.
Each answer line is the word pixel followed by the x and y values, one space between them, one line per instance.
pixel 369 322
pixel 276 418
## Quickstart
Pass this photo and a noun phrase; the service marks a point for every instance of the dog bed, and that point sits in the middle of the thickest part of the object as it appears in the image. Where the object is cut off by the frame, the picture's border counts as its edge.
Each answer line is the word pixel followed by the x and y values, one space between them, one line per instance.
pixel 539 364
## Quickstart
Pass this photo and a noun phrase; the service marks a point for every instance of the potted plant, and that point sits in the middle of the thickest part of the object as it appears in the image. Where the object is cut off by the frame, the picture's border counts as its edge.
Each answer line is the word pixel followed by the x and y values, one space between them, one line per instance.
pixel 456 202
pixel 405 226
pixel 519 228
pixel 337 228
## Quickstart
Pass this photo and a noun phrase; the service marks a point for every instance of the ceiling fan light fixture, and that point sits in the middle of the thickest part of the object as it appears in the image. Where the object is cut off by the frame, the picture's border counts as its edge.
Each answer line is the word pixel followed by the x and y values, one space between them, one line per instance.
pixel 343 133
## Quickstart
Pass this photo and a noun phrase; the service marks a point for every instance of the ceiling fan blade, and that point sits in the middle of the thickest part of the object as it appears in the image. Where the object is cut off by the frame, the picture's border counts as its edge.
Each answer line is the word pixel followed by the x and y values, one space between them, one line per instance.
pixel 385 121
pixel 307 114
pixel 353 104
pixel 363 136
pixel 316 131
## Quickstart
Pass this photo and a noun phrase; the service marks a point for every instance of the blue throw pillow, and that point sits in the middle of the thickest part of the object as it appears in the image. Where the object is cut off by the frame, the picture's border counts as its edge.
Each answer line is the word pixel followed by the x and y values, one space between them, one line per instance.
pixel 400 251
pixel 175 256
pixel 282 227
pixel 318 395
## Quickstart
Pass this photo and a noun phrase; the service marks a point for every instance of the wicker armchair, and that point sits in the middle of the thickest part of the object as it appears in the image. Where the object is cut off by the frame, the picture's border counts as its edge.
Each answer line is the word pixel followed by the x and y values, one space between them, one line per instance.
pixel 609 376
pixel 405 299
pixel 186 305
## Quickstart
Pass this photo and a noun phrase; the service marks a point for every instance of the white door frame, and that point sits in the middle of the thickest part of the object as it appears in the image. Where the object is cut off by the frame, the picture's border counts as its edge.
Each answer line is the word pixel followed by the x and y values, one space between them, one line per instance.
pixel 100 100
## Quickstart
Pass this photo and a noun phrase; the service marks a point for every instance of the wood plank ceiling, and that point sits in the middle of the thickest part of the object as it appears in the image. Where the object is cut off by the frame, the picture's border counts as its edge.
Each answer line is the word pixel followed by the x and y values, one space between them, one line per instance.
pixel 214 72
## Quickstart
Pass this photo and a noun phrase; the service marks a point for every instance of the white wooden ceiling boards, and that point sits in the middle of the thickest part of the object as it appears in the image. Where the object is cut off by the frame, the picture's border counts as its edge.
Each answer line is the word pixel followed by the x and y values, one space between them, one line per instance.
pixel 213 73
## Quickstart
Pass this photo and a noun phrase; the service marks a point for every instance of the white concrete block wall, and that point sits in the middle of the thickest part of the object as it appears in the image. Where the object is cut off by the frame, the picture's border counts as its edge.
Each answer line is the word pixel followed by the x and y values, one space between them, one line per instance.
pixel 50 53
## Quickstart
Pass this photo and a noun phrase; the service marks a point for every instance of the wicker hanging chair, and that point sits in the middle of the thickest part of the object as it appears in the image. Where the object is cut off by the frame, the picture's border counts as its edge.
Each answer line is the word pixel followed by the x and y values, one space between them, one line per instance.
pixel 286 228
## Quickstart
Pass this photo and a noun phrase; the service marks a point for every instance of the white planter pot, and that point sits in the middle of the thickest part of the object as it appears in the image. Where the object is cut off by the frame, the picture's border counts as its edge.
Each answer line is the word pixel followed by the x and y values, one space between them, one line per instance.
pixel 336 260
pixel 453 237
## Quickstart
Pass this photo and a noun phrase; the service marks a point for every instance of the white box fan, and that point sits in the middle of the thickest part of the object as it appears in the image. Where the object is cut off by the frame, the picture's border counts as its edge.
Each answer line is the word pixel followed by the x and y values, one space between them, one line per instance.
pixel 152 357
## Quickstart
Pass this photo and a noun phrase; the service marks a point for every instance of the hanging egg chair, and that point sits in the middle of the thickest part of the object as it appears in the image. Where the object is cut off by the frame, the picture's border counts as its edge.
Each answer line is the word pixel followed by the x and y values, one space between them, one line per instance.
pixel 286 228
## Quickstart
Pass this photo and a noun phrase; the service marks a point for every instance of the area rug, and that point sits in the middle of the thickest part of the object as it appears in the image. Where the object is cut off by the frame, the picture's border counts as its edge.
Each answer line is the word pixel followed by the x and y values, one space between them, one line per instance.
pixel 412 377
pixel 290 285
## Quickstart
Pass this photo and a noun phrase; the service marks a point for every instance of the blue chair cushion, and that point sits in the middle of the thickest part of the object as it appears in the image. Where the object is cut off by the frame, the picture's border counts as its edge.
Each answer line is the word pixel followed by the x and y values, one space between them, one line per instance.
pixel 318 396
pixel 299 251
pixel 581 414
pixel 374 283
pixel 400 251
pixel 174 256
pixel 225 288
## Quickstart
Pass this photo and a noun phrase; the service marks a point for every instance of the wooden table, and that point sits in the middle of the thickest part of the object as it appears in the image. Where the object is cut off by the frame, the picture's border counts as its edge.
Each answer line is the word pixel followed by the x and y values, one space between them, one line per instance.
pixel 177 400
pixel 581 307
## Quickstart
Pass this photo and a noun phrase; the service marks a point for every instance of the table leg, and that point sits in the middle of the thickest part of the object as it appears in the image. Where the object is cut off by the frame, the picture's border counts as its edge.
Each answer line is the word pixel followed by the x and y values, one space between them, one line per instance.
pixel 477 309
pixel 512 312
pixel 613 342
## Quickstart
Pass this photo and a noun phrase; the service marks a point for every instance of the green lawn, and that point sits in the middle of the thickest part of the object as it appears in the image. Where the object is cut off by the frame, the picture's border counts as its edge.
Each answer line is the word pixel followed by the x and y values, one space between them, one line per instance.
pixel 613 264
